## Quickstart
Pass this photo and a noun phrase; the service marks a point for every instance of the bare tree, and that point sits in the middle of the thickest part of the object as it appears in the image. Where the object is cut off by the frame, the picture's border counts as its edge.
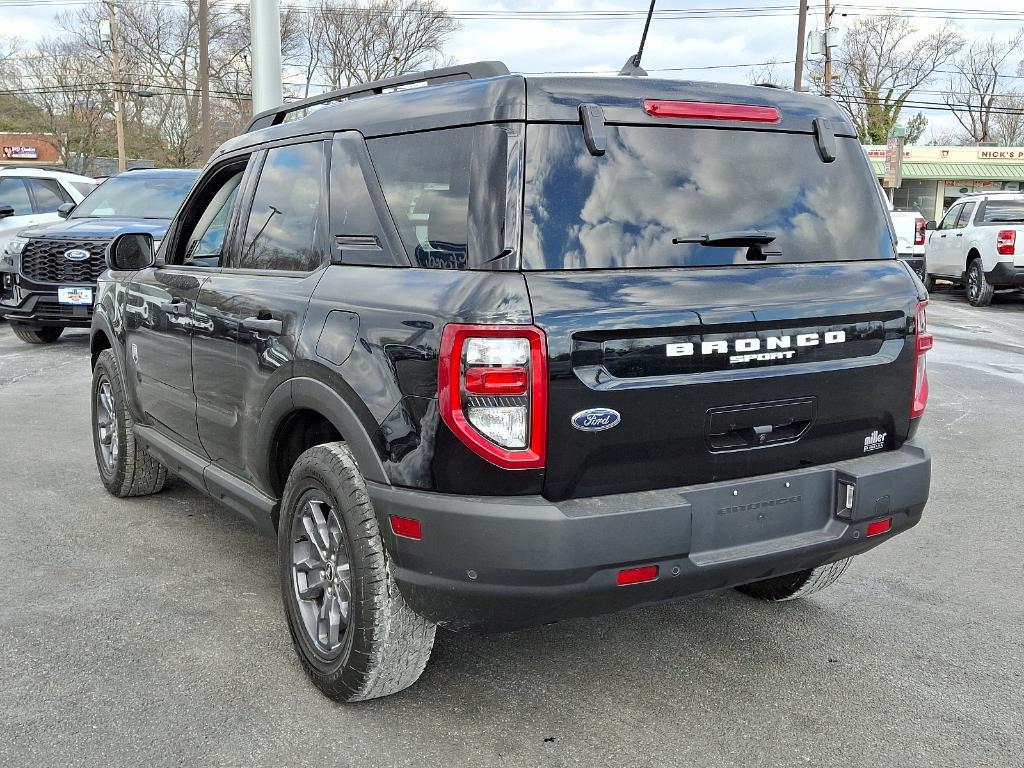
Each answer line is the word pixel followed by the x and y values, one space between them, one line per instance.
pixel 973 92
pixel 1007 125
pixel 881 62
pixel 769 73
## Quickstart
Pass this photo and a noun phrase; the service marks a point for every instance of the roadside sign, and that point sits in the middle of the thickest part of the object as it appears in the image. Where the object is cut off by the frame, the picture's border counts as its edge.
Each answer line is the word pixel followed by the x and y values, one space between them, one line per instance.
pixel 894 158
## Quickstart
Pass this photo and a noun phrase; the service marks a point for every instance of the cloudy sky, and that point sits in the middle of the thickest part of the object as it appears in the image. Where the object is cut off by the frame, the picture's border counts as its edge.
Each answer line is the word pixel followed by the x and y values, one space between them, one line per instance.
pixel 692 39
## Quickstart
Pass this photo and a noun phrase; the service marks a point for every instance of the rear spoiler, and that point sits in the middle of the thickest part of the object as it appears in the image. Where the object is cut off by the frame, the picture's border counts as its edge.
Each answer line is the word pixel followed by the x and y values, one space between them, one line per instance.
pixel 474 71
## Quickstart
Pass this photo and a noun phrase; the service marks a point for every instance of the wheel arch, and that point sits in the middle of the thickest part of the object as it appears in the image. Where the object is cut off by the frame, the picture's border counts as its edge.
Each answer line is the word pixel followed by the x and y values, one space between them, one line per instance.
pixel 304 412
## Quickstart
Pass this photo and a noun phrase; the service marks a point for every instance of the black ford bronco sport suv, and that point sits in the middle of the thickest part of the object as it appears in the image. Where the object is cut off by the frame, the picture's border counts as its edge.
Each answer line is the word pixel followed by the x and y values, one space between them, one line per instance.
pixel 500 351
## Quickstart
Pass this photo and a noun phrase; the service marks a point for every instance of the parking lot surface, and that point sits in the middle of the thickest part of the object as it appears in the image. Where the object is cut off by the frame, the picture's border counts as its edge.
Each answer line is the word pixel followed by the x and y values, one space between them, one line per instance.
pixel 149 631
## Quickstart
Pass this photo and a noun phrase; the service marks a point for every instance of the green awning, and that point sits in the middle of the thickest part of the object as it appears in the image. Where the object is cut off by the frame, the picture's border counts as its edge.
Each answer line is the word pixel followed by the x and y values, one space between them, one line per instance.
pixel 956 171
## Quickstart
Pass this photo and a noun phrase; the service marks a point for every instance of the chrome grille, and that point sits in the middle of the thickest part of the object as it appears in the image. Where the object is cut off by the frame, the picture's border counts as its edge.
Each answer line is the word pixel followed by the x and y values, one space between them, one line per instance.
pixel 44 262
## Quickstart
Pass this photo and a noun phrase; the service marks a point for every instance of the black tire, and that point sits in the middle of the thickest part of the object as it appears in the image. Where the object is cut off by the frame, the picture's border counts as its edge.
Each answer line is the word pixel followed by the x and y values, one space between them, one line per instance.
pixel 125 467
pixel 929 280
pixel 979 289
pixel 796 585
pixel 373 645
pixel 36 334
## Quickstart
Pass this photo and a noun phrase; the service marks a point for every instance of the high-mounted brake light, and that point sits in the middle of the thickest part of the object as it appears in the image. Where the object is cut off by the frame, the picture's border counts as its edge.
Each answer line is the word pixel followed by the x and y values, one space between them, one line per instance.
pixel 492 391
pixel 922 343
pixel 701 110
pixel 919 230
pixel 1006 242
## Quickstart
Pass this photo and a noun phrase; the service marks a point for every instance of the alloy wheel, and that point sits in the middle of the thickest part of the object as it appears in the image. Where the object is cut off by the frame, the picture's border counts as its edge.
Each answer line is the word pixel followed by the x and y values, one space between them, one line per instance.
pixel 321 574
pixel 106 425
pixel 973 283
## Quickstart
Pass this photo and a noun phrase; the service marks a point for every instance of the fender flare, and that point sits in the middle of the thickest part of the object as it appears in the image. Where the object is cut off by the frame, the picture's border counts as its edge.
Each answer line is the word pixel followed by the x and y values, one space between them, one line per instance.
pixel 305 393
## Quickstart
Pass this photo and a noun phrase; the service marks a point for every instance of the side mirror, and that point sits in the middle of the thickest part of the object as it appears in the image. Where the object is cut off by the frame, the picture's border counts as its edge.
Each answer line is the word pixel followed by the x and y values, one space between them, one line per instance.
pixel 6 210
pixel 931 225
pixel 130 251
pixel 65 210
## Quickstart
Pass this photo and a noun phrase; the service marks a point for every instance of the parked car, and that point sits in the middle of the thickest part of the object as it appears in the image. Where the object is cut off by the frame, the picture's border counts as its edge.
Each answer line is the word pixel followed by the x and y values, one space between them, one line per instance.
pixel 910 238
pixel 501 351
pixel 48 273
pixel 32 196
pixel 976 245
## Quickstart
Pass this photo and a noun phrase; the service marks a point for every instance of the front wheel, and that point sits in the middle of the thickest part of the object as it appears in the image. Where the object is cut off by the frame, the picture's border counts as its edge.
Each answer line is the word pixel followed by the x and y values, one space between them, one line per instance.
pixel 354 634
pixel 793 586
pixel 979 289
pixel 36 334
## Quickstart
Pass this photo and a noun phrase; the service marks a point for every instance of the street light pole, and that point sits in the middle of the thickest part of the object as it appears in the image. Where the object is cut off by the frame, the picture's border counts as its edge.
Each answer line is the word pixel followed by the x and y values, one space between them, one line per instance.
pixel 204 79
pixel 265 21
pixel 115 68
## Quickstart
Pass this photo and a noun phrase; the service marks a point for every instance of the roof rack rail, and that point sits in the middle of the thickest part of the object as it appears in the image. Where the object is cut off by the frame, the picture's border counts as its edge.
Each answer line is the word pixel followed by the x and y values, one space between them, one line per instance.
pixel 474 71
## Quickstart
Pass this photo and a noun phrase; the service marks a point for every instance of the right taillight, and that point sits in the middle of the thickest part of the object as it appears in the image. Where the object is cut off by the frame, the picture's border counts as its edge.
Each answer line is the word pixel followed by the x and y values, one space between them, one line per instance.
pixel 492 391
pixel 920 226
pixel 1006 242
pixel 922 343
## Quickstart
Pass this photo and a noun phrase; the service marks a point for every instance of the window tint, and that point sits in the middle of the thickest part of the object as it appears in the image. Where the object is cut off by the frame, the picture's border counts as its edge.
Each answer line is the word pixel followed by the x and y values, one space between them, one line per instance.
pixel 965 215
pixel 656 184
pixel 1003 211
pixel 14 194
pixel 949 220
pixel 49 195
pixel 446 192
pixel 207 241
pixel 284 222
pixel 353 214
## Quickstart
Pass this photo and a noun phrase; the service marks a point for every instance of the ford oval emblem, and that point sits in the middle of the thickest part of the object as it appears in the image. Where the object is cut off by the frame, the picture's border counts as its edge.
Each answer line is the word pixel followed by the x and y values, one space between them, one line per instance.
pixel 77 254
pixel 595 419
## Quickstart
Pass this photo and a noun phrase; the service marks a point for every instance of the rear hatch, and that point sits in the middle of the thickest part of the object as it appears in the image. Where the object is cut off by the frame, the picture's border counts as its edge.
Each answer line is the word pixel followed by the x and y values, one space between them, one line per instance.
pixel 1006 215
pixel 723 360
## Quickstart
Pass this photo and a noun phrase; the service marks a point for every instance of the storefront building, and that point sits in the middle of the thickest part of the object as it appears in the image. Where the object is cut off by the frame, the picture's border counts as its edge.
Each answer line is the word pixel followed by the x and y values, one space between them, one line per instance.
pixel 934 177
pixel 28 149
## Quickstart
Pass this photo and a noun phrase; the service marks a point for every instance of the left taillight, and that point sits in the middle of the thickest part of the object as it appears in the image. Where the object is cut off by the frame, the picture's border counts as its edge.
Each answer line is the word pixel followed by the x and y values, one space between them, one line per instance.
pixel 919 230
pixel 922 343
pixel 492 391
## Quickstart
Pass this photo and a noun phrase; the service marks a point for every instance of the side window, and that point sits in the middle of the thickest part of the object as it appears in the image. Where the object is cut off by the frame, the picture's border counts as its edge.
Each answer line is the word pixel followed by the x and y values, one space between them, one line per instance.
pixel 284 224
pixel 965 215
pixel 949 220
pixel 14 194
pixel 206 245
pixel 357 234
pixel 49 195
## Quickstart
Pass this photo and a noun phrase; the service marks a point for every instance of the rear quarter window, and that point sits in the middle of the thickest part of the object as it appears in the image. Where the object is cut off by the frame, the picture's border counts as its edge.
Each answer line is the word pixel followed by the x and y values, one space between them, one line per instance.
pixel 653 184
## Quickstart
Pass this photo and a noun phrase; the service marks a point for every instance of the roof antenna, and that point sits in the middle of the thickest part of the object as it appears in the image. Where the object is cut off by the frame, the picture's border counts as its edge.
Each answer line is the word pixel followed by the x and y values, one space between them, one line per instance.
pixel 632 66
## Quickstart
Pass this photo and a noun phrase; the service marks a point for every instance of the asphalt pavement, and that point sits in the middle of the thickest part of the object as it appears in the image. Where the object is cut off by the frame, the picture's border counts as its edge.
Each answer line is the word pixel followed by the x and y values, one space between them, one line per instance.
pixel 150 632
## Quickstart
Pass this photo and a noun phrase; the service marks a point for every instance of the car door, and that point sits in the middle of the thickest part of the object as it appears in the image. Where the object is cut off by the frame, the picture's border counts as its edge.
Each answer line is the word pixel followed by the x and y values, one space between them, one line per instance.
pixel 939 244
pixel 14 193
pixel 256 300
pixel 957 242
pixel 161 317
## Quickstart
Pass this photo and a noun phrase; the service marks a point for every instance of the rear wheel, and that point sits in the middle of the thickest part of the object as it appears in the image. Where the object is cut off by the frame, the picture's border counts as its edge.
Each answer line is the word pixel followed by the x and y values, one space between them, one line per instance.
pixel 793 586
pixel 979 289
pixel 125 467
pixel 36 334
pixel 354 634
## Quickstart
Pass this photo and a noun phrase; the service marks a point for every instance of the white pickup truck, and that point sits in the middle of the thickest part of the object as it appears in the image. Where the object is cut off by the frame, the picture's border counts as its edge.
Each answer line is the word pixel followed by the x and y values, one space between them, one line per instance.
pixel 979 243
pixel 910 237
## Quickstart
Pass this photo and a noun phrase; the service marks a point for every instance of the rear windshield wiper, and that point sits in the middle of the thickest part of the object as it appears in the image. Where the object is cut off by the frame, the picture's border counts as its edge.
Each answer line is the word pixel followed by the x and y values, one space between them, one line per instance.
pixel 730 239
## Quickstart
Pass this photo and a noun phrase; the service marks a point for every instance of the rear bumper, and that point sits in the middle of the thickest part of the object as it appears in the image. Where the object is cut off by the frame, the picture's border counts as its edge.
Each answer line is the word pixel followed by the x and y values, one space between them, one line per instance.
pixel 499 563
pixel 1005 275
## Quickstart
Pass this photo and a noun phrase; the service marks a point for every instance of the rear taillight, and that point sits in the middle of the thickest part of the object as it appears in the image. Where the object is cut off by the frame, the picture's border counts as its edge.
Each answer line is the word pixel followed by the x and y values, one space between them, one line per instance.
pixel 699 110
pixel 919 230
pixel 492 391
pixel 922 343
pixel 1006 242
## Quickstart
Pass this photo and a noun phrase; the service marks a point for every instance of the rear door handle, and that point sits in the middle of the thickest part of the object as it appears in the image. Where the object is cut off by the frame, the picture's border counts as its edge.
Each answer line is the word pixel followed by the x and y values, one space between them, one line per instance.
pixel 959 234
pixel 266 325
pixel 175 307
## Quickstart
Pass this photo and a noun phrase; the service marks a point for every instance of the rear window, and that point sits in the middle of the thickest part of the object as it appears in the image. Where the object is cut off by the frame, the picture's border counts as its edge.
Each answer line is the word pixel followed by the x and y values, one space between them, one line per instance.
pixel 446 193
pixel 1003 212
pixel 653 184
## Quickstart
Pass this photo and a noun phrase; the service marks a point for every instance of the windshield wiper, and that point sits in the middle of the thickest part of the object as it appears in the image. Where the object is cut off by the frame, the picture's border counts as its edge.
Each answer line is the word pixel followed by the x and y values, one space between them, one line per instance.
pixel 735 239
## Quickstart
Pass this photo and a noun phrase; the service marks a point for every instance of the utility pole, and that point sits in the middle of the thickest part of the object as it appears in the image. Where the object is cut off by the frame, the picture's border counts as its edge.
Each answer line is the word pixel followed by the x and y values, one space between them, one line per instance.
pixel 204 79
pixel 828 51
pixel 115 68
pixel 265 21
pixel 801 35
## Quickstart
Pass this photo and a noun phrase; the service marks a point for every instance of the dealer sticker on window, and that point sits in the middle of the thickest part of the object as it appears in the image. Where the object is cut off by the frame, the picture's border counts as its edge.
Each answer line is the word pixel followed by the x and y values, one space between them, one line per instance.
pixel 74 295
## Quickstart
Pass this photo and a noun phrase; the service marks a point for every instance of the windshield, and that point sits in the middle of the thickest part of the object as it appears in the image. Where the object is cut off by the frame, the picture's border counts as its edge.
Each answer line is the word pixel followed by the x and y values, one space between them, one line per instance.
pixel 137 197
pixel 1003 212
pixel 657 185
